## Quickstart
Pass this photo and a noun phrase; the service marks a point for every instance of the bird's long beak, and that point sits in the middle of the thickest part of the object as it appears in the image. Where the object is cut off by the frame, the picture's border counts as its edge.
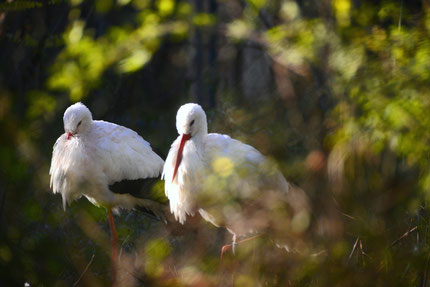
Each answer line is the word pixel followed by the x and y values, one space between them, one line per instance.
pixel 68 136
pixel 184 139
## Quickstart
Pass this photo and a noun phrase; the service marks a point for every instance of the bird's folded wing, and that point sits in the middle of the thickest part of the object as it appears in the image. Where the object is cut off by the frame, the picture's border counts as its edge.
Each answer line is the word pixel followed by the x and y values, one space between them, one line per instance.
pixel 241 155
pixel 242 168
pixel 124 154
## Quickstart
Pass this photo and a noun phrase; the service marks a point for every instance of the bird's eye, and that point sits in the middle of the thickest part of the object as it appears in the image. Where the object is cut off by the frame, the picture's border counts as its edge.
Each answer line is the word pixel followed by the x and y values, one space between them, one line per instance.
pixel 79 123
pixel 192 123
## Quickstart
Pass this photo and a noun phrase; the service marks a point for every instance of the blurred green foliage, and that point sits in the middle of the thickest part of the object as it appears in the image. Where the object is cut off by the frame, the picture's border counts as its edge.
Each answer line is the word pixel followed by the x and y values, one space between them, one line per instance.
pixel 335 92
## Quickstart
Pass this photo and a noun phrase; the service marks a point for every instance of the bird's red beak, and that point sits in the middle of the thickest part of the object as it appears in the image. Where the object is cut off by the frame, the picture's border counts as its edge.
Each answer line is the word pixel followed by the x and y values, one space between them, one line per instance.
pixel 184 139
pixel 68 136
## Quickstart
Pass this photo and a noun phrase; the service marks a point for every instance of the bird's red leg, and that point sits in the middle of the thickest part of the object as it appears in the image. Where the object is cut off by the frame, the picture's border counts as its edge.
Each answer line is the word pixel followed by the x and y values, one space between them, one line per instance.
pixel 226 248
pixel 114 242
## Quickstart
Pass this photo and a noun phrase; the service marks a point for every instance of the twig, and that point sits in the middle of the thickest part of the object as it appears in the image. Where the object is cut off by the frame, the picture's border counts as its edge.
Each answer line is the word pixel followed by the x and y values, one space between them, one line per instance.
pixel 404 235
pixel 122 244
pixel 362 252
pixel 418 238
pixel 319 253
pixel 400 16
pixel 406 270
pixel 353 248
pixel 341 212
pixel 85 270
pixel 347 215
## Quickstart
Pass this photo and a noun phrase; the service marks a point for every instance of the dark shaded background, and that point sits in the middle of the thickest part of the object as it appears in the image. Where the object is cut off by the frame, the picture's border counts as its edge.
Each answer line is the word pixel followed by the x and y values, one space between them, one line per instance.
pixel 336 92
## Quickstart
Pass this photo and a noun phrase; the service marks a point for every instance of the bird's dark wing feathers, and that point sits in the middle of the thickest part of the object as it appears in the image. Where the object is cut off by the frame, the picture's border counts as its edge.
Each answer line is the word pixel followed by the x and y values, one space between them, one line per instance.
pixel 139 188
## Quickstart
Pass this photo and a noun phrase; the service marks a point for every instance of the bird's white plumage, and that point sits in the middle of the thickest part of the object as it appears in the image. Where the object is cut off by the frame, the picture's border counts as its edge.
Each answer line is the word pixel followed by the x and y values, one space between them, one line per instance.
pixel 182 191
pixel 230 183
pixel 98 154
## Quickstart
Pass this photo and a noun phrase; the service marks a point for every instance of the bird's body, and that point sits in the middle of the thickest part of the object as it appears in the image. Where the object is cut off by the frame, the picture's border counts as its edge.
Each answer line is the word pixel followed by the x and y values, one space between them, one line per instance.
pixel 229 183
pixel 107 153
pixel 92 155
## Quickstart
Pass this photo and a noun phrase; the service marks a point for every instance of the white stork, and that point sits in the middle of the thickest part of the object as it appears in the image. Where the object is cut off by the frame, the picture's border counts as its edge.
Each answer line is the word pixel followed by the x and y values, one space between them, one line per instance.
pixel 229 183
pixel 91 155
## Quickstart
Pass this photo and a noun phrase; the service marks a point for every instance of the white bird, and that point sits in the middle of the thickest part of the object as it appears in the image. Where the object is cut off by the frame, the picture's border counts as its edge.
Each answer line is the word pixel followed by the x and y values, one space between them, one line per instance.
pixel 91 155
pixel 229 183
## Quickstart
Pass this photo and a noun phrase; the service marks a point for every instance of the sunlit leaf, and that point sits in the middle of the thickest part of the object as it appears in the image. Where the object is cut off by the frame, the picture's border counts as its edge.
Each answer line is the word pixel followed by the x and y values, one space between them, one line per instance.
pixel 203 19
pixel 290 10
pixel 165 7
pixel 342 9
pixel 135 61
pixel 238 29
pixel 76 32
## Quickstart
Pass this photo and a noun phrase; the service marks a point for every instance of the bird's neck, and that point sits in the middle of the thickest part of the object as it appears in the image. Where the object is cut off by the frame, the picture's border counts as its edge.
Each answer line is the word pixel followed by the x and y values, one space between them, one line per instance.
pixel 198 139
pixel 88 128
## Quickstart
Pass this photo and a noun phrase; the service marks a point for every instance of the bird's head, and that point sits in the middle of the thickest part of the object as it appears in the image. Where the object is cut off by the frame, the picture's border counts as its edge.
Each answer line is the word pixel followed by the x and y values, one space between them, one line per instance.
pixel 77 120
pixel 191 122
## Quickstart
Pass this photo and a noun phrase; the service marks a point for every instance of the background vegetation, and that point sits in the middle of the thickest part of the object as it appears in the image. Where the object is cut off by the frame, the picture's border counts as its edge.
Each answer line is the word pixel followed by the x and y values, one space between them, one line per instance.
pixel 336 92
